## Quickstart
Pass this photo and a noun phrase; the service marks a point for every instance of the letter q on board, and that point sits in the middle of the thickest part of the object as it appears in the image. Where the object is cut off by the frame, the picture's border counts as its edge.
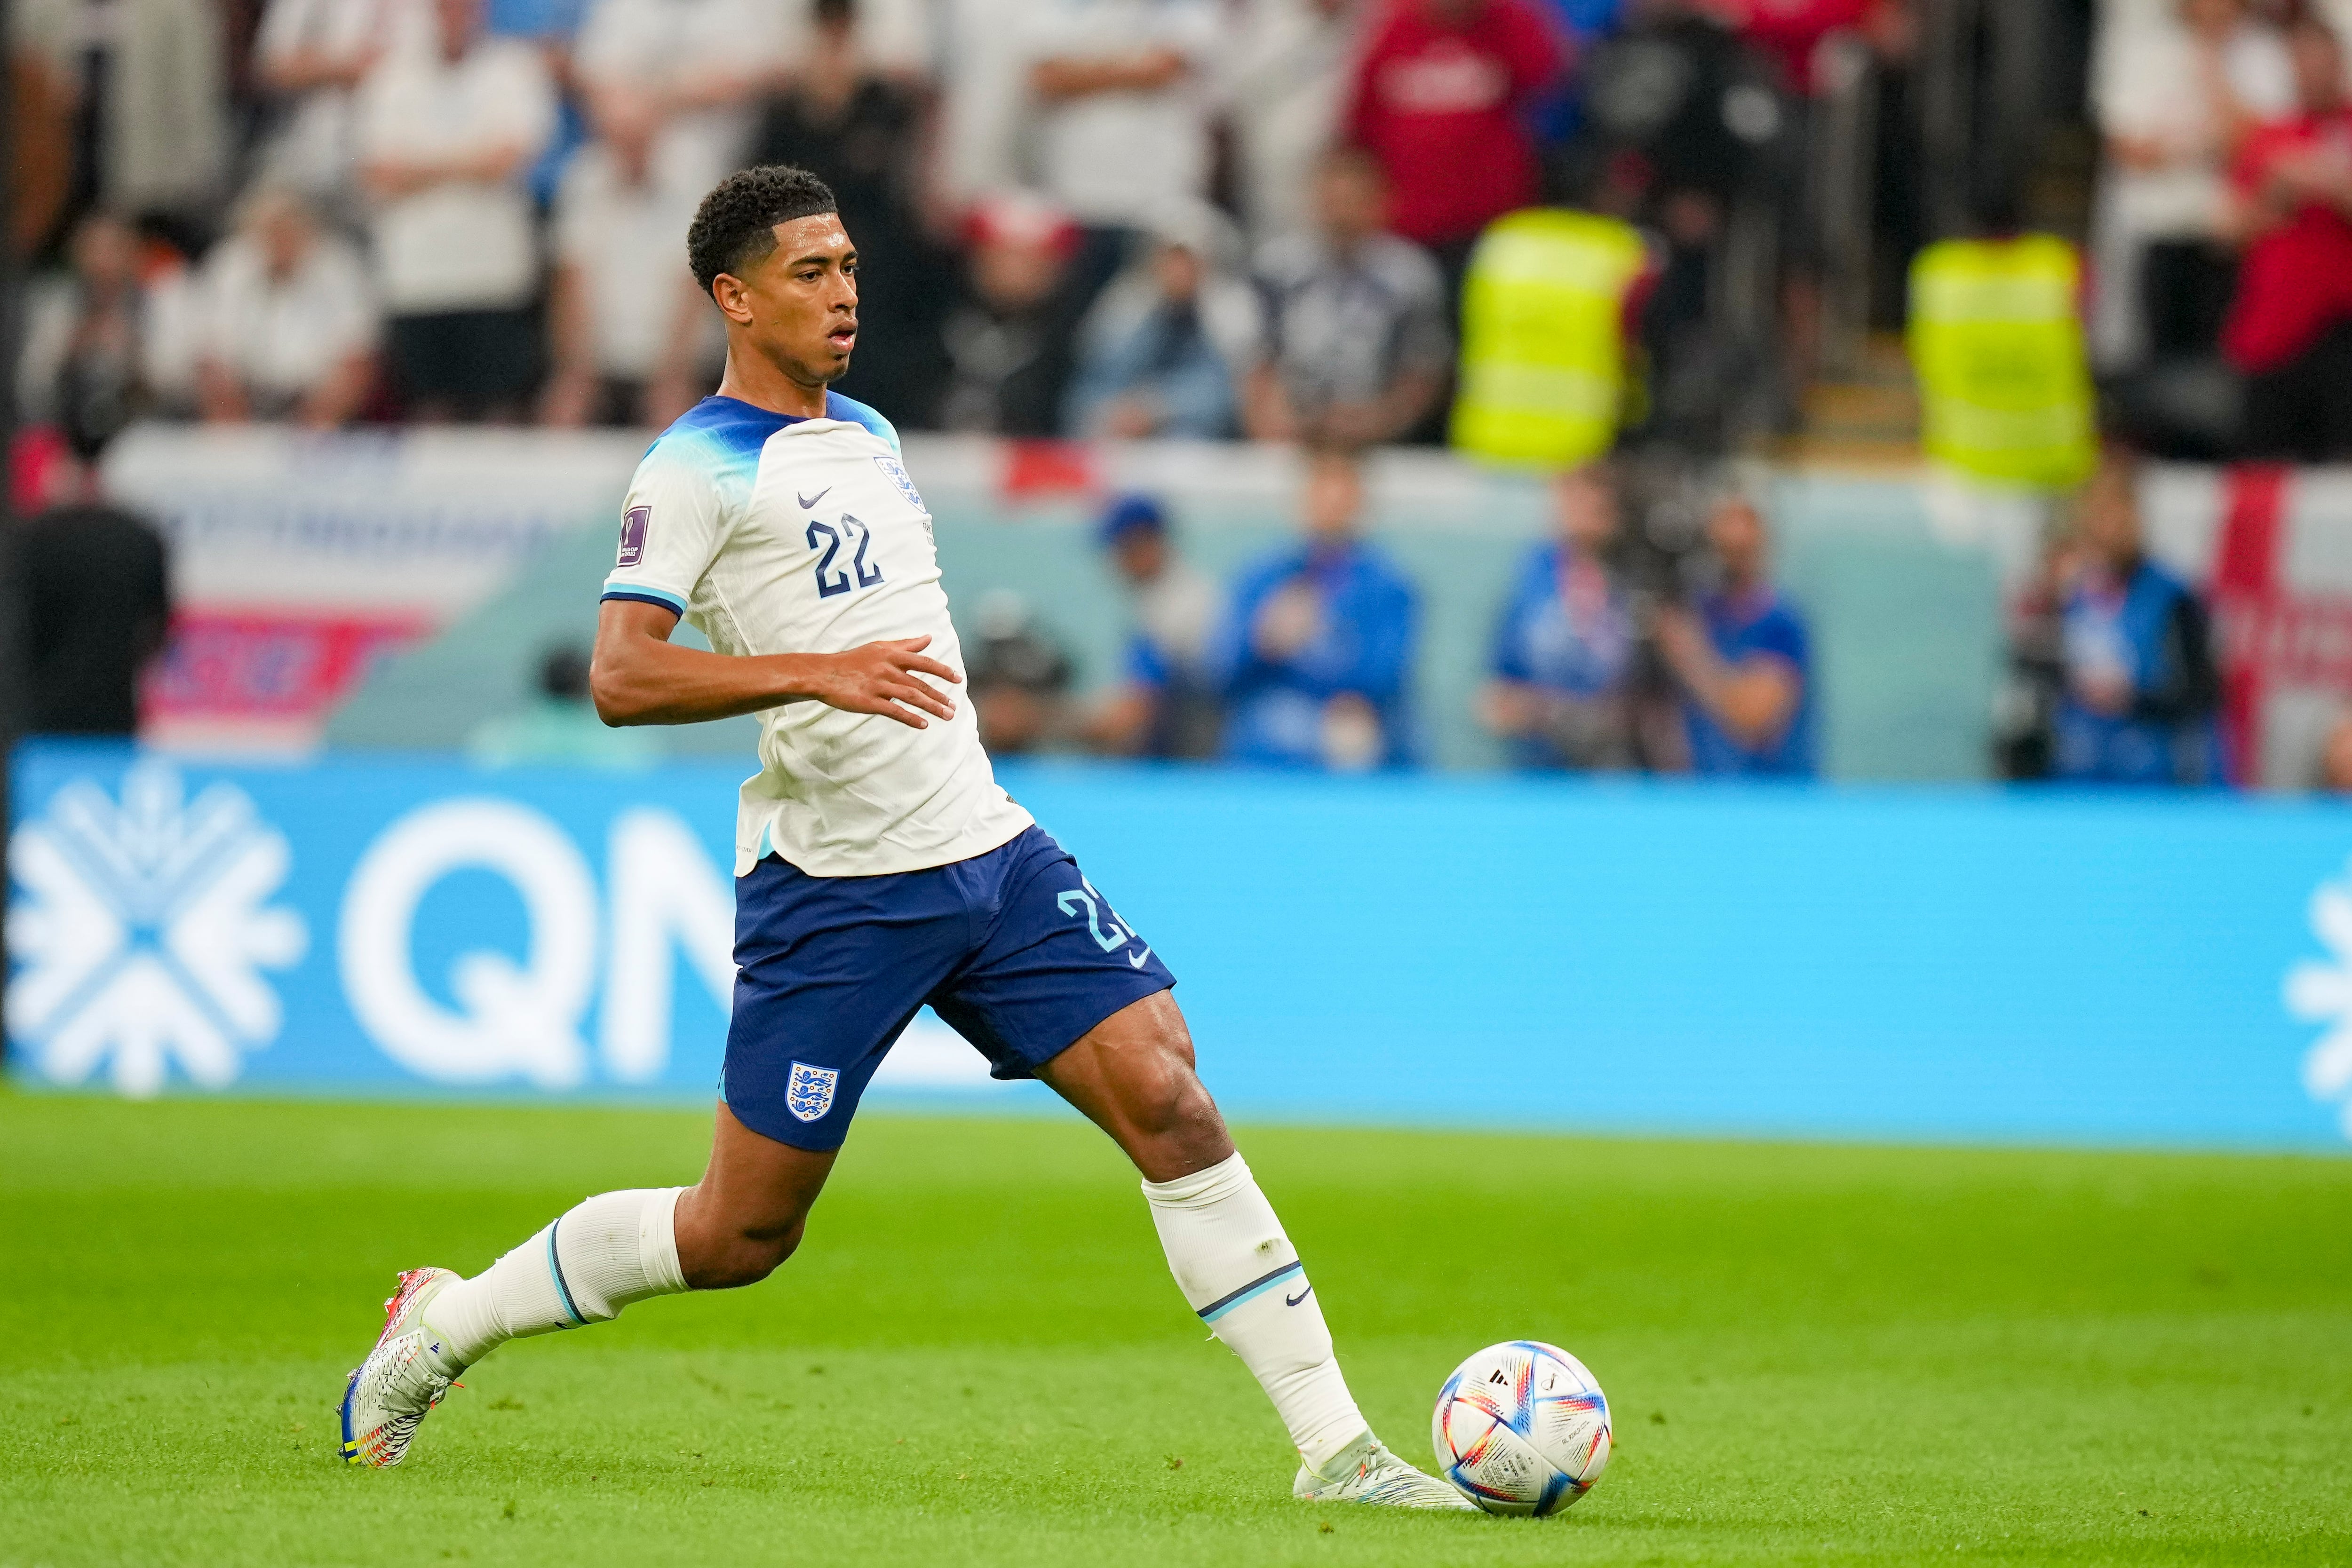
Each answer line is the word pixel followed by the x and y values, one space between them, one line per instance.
pixel 511 1020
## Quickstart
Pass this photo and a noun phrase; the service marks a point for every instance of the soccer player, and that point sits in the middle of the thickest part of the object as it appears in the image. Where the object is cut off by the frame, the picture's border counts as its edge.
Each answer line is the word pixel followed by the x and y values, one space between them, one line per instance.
pixel 878 867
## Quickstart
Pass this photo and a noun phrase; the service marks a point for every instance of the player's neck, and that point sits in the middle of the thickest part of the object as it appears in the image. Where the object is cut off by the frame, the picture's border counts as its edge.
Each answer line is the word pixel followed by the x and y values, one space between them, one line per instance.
pixel 757 381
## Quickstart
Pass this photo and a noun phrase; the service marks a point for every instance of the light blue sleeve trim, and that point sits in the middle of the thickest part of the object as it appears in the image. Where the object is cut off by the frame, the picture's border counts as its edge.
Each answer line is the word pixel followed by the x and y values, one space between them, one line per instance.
pixel 616 589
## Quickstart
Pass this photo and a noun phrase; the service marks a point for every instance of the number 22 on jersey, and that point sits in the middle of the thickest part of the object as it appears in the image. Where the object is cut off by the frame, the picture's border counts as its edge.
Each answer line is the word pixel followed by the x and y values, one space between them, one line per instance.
pixel 832 538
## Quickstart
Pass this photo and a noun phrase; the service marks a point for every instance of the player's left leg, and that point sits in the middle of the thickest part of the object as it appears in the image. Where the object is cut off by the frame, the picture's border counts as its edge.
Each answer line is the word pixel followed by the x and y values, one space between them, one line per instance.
pixel 829 971
pixel 733 1228
pixel 1133 1076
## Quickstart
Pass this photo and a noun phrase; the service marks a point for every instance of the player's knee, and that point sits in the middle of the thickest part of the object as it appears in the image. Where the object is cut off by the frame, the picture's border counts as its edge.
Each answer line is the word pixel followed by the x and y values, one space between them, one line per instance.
pixel 1170 1096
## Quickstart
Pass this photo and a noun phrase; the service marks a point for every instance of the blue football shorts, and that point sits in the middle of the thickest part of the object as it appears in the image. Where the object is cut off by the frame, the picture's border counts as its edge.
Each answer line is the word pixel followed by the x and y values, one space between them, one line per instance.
pixel 1014 949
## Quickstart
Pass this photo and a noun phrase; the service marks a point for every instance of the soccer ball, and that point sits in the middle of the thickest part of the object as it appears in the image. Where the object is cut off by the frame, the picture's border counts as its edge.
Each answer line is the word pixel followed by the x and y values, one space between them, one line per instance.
pixel 1521 1428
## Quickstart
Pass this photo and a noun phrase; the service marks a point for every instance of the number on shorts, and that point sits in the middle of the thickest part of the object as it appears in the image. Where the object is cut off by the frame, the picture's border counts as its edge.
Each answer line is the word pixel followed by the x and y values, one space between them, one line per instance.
pixel 1109 942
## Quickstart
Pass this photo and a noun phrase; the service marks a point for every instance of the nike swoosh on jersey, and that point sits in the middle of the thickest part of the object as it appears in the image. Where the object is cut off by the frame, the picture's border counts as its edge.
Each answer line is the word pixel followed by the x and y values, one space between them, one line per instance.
pixel 1293 1300
pixel 808 502
pixel 1135 960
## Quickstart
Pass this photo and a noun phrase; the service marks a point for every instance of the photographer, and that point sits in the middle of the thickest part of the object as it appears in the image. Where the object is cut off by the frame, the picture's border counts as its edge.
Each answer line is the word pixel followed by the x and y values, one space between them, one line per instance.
pixel 1561 694
pixel 1742 658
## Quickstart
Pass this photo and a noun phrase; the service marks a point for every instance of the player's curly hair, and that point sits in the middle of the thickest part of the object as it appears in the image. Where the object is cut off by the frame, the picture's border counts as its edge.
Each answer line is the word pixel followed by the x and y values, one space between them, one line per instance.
pixel 735 223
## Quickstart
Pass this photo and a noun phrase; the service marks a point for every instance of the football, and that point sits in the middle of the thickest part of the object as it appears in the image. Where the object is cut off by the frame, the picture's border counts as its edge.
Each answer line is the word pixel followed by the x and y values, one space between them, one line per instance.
pixel 1521 1428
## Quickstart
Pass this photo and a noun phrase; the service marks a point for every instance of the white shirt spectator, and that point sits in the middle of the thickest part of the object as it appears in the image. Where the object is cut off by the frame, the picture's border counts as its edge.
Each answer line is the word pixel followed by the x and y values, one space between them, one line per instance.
pixel 316 147
pixel 280 336
pixel 720 51
pixel 1284 81
pixel 163 134
pixel 1114 158
pixel 459 244
pixel 983 98
pixel 2148 85
pixel 162 354
pixel 628 242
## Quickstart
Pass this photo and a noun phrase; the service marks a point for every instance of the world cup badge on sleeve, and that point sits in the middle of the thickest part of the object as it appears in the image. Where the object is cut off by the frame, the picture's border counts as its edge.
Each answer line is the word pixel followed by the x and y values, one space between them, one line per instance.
pixel 808 1093
pixel 634 523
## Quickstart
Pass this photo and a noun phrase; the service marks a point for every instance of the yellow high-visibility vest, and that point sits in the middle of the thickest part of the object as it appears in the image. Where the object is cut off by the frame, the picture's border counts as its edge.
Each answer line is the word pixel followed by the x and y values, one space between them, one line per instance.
pixel 1997 343
pixel 1543 352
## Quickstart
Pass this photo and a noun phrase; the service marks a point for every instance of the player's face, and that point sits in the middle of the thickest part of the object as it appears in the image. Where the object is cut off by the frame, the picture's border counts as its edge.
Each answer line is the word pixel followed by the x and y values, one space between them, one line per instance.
pixel 798 305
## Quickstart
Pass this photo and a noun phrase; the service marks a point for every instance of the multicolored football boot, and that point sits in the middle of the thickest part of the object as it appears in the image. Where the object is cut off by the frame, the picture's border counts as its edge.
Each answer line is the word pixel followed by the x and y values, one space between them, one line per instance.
pixel 1365 1471
pixel 402 1377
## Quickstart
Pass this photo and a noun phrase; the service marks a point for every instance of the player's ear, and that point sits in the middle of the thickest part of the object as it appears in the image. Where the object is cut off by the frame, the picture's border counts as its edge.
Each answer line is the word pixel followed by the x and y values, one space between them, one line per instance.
pixel 733 297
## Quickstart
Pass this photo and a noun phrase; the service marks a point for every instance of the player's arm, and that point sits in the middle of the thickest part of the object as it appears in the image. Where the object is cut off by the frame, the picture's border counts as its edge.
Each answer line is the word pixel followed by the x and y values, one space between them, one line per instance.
pixel 639 676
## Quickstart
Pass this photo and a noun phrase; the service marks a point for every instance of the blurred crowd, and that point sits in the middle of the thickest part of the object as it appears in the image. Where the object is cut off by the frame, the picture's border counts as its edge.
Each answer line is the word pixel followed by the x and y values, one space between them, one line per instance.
pixel 1221 219
pixel 2220 318
pixel 1609 654
pixel 1212 218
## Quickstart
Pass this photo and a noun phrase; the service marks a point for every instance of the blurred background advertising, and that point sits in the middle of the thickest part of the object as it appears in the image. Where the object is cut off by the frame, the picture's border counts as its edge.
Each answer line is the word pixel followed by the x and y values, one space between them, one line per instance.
pixel 1695 565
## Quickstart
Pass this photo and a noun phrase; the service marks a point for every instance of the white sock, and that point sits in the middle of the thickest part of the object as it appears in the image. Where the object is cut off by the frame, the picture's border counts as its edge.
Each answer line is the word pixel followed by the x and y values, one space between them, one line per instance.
pixel 583 1268
pixel 1241 1275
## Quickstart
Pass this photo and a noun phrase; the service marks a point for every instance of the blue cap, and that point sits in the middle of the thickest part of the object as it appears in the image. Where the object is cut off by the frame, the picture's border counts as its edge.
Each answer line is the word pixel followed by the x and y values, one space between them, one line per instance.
pixel 1130 513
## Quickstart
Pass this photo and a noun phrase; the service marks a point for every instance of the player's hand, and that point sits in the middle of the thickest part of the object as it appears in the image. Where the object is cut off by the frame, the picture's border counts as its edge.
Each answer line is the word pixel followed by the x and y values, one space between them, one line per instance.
pixel 886 678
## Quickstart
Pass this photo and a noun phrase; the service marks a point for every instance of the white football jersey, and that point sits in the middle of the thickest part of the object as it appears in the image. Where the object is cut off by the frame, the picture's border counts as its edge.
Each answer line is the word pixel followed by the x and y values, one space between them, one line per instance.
pixel 779 535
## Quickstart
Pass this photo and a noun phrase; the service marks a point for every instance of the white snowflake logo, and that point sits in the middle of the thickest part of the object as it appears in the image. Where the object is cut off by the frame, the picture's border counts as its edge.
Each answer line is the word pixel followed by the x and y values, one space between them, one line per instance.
pixel 2320 991
pixel 145 931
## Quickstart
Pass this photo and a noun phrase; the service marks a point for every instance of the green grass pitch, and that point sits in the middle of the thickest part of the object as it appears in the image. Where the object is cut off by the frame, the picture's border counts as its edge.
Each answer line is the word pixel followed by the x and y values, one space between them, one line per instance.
pixel 1814 1355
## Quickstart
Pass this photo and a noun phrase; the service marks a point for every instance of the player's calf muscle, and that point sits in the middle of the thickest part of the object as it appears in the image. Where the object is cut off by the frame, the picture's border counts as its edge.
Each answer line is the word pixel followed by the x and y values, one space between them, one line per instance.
pixel 738 1224
pixel 718 1252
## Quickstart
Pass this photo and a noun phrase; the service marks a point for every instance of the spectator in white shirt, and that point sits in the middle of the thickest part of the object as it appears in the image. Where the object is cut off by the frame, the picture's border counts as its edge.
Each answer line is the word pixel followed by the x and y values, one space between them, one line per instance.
pixel 625 318
pixel 699 63
pixel 111 341
pixel 142 84
pixel 310 55
pixel 2175 84
pixel 983 98
pixel 1286 80
pixel 445 136
pixel 1122 105
pixel 288 321
pixel 1360 342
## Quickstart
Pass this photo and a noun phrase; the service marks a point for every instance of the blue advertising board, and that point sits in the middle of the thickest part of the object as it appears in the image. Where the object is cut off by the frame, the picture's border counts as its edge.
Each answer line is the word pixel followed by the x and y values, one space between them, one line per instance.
pixel 1935 963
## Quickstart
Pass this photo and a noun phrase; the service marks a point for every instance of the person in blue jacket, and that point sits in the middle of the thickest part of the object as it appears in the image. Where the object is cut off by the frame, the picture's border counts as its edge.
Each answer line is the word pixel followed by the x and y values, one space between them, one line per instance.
pixel 1743 660
pixel 2140 688
pixel 1318 646
pixel 1560 688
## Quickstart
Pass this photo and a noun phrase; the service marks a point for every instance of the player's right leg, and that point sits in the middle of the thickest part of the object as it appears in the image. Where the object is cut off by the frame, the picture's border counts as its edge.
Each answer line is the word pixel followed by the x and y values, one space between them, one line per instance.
pixel 733 1228
pixel 1133 1075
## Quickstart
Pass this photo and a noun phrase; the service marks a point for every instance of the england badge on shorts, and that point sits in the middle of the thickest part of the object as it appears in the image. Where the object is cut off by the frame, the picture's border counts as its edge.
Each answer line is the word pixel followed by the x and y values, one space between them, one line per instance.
pixel 808 1093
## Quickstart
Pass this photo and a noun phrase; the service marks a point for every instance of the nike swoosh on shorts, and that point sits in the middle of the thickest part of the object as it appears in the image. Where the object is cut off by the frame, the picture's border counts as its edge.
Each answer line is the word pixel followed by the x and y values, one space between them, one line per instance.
pixel 1293 1300
pixel 1135 960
